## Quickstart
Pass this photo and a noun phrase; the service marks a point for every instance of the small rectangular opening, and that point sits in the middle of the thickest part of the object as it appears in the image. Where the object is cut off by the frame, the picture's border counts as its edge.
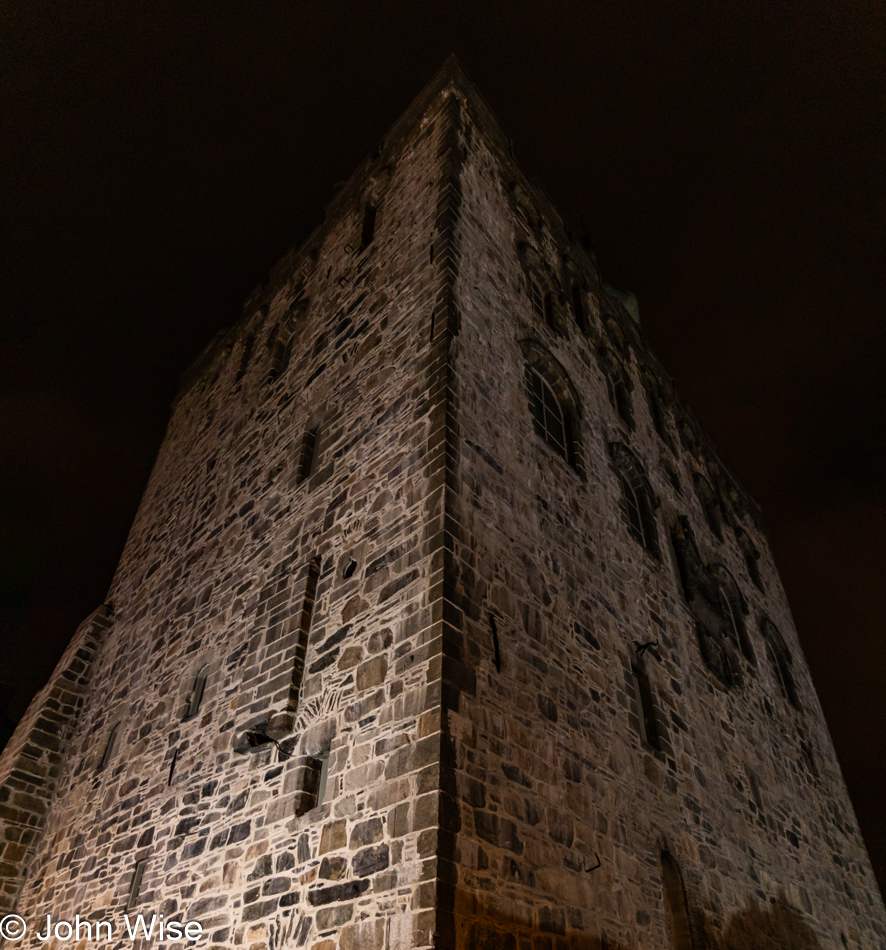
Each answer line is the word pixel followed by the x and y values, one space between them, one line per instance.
pixel 308 454
pixel 549 310
pixel 645 708
pixel 135 885
pixel 109 746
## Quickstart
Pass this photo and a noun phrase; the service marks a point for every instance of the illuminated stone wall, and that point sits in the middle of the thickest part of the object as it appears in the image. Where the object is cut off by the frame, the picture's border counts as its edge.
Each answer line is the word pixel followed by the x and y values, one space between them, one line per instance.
pixel 533 675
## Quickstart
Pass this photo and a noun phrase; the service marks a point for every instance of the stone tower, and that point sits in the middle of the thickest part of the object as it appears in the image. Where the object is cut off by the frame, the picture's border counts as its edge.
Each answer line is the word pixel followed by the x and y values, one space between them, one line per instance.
pixel 441 623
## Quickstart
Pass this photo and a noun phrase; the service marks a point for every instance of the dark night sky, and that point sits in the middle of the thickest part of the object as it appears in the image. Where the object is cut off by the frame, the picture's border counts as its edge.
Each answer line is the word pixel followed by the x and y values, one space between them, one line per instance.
pixel 728 159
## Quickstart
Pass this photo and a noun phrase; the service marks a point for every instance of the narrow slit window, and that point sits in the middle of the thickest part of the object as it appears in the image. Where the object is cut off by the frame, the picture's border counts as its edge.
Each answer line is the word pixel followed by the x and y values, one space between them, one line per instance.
pixel 304 631
pixel 780 660
pixel 623 404
pixel 368 232
pixel 645 708
pixel 755 790
pixel 657 413
pixel 710 505
pixel 110 746
pixel 751 559
pixel 632 509
pixel 245 356
pixel 308 454
pixel 136 883
pixel 172 764
pixel 307 611
pixel 496 652
pixel 549 311
pixel 578 307
pixel 196 696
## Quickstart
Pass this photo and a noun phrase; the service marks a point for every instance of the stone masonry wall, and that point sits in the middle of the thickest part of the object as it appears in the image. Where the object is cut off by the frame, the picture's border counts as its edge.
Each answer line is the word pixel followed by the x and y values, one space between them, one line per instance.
pixel 548 718
pixel 552 773
pixel 31 762
pixel 307 596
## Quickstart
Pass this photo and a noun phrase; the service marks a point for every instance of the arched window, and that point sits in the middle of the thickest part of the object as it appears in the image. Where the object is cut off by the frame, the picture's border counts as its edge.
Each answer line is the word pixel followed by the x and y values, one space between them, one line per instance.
pixel 657 410
pixel 547 413
pixel 780 660
pixel 552 403
pixel 733 609
pixel 196 695
pixel 676 907
pixel 751 558
pixel 709 504
pixel 636 497
pixel 617 386
pixel 717 656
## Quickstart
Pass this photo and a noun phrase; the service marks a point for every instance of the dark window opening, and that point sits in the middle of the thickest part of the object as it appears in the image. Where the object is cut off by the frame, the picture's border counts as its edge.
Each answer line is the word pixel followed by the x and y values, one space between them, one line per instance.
pixel 781 661
pixel 172 767
pixel 308 454
pixel 368 232
pixel 549 311
pixel 751 559
pixel 617 388
pixel 196 695
pixel 314 782
pixel 809 758
pixel 676 906
pixel 578 307
pixel 136 883
pixel 622 401
pixel 245 356
pixel 716 656
pixel 349 568
pixel 656 412
pixel 649 732
pixel 536 297
pixel 755 791
pixel 496 652
pixel 632 509
pixel 731 608
pixel 547 414
pixel 110 745
pixel 281 351
pixel 636 504
pixel 709 504
pixel 304 631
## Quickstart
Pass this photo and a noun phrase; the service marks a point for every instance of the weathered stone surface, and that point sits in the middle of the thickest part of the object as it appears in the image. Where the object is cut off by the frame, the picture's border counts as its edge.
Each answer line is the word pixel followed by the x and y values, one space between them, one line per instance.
pixel 546 667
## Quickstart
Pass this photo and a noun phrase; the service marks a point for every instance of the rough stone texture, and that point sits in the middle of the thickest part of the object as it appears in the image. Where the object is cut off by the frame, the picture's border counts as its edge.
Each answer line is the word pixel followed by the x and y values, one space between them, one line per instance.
pixel 356 534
